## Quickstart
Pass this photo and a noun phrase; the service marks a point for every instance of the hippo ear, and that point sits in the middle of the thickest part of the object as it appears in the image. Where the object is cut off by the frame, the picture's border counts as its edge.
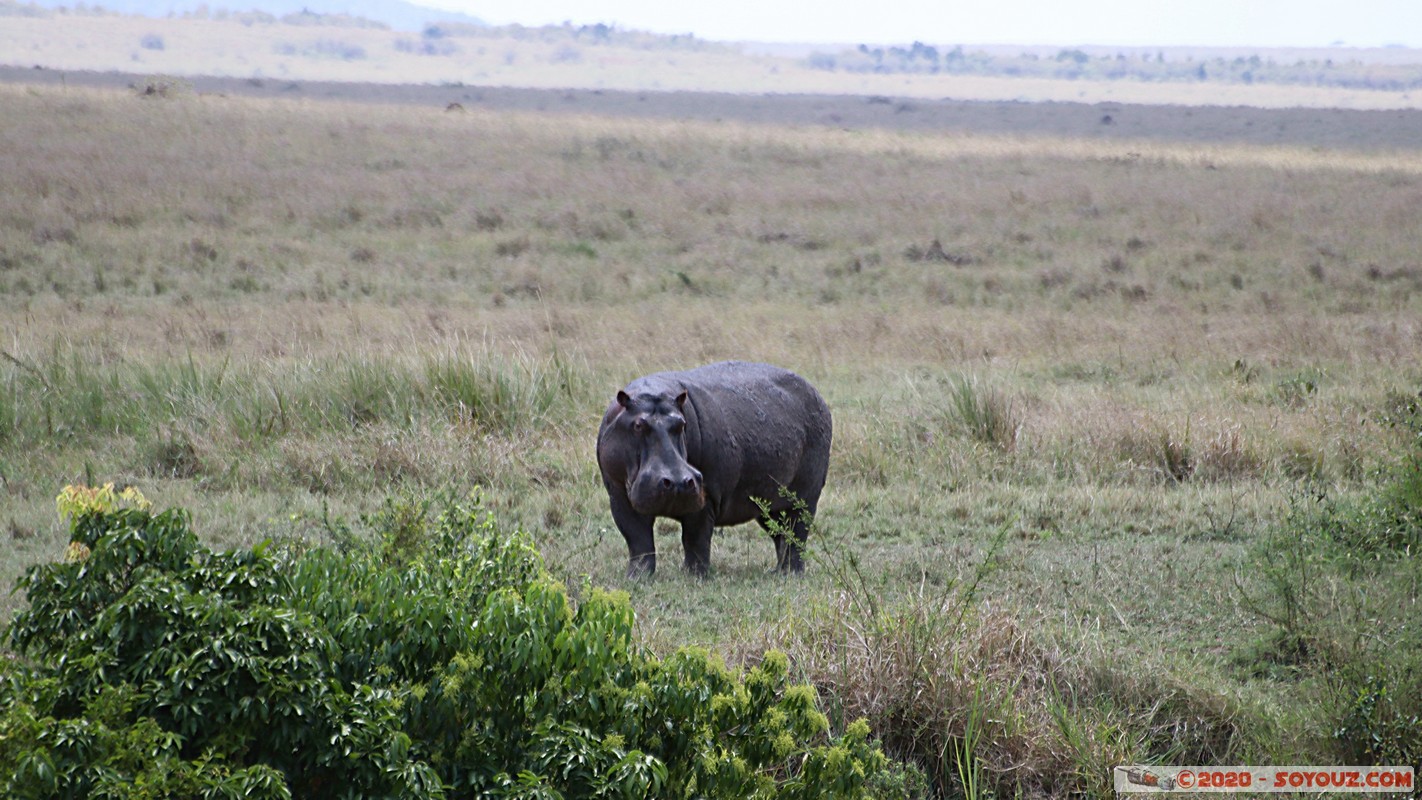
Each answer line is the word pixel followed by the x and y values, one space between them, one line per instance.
pixel 681 400
pixel 623 400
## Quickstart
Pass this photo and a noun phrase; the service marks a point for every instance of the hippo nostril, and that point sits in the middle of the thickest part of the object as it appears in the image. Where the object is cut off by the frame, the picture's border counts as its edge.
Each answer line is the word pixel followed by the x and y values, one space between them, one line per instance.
pixel 666 483
pixel 689 484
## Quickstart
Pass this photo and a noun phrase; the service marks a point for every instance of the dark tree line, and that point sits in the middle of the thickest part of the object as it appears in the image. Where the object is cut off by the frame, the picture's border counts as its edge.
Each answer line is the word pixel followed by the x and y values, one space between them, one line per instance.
pixel 1074 64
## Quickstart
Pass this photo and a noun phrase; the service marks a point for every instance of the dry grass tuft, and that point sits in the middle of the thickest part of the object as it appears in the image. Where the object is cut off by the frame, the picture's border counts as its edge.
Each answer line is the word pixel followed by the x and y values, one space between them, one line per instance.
pixel 984 707
pixel 985 413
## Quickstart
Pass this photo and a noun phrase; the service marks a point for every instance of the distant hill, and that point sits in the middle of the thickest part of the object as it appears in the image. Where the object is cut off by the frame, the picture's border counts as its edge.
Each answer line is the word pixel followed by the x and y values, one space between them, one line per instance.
pixel 398 14
pixel 395 41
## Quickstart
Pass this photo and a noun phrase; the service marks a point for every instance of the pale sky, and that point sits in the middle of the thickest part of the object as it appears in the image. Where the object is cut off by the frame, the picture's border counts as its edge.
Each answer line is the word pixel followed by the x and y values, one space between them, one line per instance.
pixel 1259 23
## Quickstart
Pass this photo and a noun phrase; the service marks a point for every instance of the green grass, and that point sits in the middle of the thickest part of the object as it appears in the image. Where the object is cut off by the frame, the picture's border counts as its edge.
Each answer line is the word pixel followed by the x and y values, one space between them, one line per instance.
pixel 1094 414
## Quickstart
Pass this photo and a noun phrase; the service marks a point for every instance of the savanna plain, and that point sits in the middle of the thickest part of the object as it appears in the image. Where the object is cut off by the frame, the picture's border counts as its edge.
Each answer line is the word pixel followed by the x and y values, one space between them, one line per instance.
pixel 1126 449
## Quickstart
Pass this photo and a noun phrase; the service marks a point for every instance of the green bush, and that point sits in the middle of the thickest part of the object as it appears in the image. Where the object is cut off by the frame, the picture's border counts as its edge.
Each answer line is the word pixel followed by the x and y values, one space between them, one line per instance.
pixel 441 660
pixel 1336 581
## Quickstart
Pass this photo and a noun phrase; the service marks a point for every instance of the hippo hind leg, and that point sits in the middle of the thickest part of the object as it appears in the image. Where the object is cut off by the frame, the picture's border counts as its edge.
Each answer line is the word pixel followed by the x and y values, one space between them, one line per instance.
pixel 797 522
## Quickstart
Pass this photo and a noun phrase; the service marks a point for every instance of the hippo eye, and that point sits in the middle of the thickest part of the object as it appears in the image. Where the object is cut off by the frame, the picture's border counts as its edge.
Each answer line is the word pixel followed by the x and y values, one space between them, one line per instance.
pixel 639 425
pixel 677 427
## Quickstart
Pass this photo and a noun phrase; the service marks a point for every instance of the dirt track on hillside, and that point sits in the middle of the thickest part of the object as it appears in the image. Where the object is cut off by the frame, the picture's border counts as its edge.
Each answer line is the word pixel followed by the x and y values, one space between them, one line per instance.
pixel 1343 129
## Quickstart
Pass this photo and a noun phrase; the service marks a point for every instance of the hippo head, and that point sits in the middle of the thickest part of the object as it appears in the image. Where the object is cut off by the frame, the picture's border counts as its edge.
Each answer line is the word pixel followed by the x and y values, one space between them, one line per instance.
pixel 650 432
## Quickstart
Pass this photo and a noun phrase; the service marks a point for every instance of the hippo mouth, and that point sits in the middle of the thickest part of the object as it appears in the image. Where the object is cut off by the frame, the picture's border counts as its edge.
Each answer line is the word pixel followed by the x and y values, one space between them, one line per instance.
pixel 678 500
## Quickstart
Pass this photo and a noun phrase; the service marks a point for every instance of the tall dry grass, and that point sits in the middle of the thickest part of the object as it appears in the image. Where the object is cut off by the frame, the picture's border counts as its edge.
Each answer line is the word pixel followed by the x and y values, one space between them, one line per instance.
pixel 1153 313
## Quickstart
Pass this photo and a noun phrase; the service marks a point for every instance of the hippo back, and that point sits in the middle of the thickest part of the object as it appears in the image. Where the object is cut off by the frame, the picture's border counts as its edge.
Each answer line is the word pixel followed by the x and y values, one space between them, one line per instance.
pixel 760 429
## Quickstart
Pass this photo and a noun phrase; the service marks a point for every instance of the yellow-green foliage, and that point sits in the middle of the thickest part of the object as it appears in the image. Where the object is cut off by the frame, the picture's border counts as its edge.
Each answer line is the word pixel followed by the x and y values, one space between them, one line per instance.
pixel 464 670
pixel 75 501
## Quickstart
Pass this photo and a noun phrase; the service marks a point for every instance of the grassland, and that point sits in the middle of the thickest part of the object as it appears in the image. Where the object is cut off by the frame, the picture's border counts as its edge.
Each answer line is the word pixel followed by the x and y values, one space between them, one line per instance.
pixel 1090 379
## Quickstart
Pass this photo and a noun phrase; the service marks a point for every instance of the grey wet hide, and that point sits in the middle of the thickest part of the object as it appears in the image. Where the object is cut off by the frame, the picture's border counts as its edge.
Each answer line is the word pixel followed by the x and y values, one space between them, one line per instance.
pixel 701 446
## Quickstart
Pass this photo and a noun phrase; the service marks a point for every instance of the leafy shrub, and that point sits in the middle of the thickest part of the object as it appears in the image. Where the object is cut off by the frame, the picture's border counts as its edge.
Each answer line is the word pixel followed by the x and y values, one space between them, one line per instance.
pixel 1379 715
pixel 1337 581
pixel 199 651
pixel 441 660
pixel 1399 521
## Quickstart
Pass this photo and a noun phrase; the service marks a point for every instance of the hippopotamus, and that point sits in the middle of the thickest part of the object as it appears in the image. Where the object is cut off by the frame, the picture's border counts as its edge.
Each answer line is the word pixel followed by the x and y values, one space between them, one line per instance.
pixel 703 446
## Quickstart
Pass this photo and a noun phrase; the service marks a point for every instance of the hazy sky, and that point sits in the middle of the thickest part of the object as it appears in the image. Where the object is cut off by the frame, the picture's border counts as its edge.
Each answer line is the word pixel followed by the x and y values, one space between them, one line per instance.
pixel 1288 23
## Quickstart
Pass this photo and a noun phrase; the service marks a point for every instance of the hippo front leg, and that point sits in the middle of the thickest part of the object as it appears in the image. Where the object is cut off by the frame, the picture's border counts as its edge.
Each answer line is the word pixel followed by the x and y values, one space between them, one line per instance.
pixel 696 533
pixel 637 531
